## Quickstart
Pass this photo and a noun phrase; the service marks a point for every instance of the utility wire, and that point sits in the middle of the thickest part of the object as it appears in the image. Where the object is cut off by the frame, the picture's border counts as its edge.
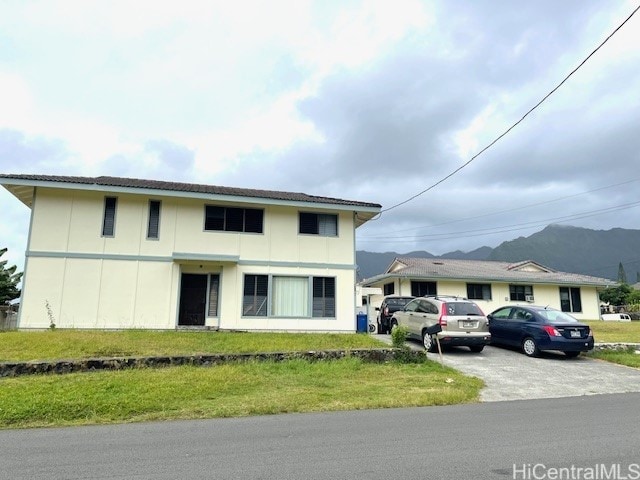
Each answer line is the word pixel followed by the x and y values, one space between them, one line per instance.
pixel 503 229
pixel 500 212
pixel 515 124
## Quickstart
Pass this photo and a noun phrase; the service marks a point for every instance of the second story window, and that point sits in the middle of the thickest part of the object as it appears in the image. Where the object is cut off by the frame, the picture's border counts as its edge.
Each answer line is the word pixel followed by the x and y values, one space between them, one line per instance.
pixel 153 227
pixel 231 219
pixel 109 217
pixel 319 224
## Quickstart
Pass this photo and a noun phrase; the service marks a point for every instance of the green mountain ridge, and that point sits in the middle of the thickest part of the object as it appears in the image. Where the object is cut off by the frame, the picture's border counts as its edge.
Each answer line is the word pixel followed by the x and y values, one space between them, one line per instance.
pixel 565 248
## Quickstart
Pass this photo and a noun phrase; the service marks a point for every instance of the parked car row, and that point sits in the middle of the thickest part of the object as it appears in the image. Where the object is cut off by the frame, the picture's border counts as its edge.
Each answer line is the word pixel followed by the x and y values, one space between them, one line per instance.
pixel 457 321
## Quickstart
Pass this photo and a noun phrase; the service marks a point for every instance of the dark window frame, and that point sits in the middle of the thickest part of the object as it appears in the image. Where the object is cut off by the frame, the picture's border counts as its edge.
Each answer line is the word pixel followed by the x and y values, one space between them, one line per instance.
pixel 573 302
pixel 311 223
pixel 324 297
pixel 257 295
pixel 153 221
pixel 233 219
pixel 479 291
pixel 109 216
pixel 518 293
pixel 421 288
pixel 389 288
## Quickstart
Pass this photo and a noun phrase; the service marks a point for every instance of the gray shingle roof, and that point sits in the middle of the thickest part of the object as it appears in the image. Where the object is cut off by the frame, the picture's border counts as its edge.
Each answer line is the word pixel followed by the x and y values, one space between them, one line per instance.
pixel 439 268
pixel 188 187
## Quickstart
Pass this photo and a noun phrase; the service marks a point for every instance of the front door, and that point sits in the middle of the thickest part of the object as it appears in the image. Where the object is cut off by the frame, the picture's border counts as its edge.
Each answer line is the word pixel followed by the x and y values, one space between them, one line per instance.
pixel 193 299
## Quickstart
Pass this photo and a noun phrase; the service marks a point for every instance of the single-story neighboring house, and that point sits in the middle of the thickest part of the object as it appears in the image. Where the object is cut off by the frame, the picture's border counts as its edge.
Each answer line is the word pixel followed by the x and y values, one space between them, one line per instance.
pixel 110 252
pixel 492 284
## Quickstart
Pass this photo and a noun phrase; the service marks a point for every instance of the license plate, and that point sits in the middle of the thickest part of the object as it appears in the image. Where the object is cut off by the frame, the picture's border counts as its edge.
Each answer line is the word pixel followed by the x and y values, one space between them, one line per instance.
pixel 575 334
pixel 468 324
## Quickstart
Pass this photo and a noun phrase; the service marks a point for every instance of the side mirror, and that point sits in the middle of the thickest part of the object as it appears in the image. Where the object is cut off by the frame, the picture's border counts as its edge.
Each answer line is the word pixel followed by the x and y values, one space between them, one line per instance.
pixel 377 309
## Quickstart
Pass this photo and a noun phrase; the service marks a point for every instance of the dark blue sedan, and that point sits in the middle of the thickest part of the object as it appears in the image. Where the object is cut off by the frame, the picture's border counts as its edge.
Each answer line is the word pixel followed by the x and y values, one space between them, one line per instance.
pixel 534 329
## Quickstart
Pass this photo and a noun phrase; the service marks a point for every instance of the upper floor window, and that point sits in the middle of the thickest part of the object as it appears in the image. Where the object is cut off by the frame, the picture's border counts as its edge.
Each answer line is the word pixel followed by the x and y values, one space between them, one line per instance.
pixel 109 217
pixel 232 219
pixel 153 227
pixel 324 224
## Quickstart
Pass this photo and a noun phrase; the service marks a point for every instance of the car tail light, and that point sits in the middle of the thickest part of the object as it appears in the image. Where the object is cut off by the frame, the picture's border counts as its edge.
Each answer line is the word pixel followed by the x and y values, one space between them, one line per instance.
pixel 443 321
pixel 386 311
pixel 552 331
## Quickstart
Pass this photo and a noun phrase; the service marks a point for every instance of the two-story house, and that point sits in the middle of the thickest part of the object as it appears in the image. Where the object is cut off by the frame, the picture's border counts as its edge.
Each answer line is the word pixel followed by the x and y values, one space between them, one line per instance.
pixel 111 252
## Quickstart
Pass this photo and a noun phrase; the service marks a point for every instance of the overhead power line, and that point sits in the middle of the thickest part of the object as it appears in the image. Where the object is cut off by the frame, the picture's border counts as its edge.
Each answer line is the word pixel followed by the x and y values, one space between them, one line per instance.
pixel 502 229
pixel 516 123
pixel 501 212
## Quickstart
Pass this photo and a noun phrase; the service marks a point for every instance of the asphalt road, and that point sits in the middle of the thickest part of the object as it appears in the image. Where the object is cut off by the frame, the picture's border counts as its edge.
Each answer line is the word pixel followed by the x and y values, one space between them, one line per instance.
pixel 510 375
pixel 478 441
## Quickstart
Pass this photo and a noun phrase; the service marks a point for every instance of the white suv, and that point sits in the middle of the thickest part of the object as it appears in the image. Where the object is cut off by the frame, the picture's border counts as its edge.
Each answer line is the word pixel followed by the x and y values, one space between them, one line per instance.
pixel 461 320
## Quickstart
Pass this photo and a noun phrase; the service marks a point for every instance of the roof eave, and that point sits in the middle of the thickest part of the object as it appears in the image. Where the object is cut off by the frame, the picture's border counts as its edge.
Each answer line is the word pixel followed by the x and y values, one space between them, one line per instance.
pixel 24 190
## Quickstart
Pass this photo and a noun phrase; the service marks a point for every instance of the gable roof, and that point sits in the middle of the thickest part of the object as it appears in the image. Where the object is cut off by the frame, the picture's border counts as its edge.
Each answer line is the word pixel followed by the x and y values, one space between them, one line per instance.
pixel 22 187
pixel 526 271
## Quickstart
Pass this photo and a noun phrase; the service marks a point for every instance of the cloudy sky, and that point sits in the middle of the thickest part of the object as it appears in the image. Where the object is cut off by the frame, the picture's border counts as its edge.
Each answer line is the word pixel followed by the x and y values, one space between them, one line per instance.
pixel 364 100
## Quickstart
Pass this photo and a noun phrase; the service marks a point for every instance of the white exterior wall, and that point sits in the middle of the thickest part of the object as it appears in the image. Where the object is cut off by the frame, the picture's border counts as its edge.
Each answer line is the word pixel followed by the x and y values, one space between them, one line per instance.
pixel 544 294
pixel 76 278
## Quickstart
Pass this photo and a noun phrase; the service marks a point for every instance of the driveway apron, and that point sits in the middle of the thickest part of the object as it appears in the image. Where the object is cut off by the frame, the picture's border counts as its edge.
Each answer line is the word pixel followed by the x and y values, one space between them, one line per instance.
pixel 510 375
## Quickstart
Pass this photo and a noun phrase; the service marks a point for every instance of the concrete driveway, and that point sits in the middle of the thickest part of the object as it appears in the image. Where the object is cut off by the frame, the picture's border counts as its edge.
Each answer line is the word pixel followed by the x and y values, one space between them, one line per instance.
pixel 510 375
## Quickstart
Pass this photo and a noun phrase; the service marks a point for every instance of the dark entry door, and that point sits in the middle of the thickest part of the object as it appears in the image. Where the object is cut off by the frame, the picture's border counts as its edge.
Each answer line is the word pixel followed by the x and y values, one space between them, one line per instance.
pixel 193 299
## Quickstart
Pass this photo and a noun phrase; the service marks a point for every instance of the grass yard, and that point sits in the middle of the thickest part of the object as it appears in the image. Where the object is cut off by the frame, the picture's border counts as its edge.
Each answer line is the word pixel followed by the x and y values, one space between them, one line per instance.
pixel 227 391
pixel 612 332
pixel 81 344
pixel 629 358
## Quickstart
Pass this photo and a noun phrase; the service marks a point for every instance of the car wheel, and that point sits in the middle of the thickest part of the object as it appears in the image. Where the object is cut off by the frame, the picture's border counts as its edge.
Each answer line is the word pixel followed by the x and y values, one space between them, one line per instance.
pixel 530 347
pixel 372 328
pixel 572 354
pixel 428 342
pixel 476 348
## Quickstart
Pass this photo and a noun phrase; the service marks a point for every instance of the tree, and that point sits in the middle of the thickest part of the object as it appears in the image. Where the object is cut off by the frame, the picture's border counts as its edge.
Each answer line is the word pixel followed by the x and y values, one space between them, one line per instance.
pixel 633 297
pixel 622 276
pixel 616 295
pixel 9 280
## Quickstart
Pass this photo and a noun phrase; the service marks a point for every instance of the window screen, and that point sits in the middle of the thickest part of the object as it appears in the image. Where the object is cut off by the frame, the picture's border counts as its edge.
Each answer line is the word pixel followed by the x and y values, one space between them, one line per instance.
pixel 324 297
pixel 254 301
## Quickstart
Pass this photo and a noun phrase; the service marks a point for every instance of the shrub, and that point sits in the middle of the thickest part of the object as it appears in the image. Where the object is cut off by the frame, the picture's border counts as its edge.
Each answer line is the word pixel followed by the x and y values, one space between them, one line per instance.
pixel 398 337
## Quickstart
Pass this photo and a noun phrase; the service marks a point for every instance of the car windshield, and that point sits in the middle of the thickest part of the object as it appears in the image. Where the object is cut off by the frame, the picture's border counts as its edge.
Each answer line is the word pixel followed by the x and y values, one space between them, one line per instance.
pixel 463 308
pixel 556 316
pixel 398 302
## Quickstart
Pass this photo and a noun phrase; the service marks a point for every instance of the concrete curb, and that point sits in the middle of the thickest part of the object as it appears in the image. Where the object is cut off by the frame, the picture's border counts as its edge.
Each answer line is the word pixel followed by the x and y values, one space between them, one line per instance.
pixel 16 369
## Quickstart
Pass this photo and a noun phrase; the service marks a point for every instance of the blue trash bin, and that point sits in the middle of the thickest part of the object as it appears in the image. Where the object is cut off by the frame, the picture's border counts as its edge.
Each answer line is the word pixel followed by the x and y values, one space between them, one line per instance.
pixel 362 323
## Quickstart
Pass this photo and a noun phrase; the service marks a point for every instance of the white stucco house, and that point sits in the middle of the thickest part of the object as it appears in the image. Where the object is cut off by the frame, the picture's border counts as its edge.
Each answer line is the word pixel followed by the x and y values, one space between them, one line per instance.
pixel 492 284
pixel 120 253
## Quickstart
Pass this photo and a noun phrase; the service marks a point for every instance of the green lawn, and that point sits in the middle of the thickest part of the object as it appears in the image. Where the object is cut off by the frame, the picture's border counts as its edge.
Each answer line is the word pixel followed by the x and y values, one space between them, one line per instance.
pixel 227 390
pixel 612 332
pixel 629 358
pixel 79 344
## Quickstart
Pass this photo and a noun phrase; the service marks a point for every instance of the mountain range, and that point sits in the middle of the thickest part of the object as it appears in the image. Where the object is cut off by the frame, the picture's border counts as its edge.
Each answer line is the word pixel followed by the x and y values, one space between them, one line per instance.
pixel 564 248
